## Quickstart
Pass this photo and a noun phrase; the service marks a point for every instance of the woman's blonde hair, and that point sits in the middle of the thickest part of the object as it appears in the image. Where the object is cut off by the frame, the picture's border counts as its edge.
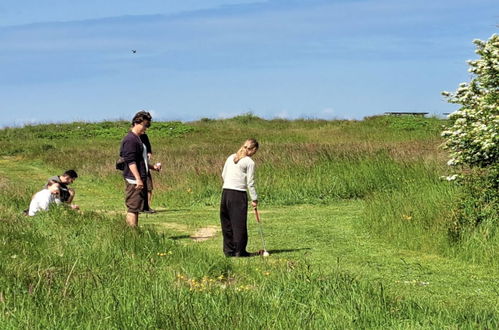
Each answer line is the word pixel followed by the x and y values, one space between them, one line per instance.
pixel 248 144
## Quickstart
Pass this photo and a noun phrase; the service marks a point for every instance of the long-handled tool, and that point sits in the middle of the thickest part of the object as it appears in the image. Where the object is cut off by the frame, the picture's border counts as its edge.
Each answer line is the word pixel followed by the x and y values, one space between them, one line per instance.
pixel 260 229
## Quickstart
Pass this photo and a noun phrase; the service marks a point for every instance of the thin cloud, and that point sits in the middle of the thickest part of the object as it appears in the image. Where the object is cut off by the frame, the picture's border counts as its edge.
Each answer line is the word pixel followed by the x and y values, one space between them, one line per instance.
pixel 273 55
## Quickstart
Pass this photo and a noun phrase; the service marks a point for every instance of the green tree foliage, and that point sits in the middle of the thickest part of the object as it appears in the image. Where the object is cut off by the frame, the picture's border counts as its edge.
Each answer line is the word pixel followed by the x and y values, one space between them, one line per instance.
pixel 473 135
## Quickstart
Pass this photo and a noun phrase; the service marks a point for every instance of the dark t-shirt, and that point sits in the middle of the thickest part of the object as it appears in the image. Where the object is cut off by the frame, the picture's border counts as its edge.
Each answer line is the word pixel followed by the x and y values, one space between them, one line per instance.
pixel 63 188
pixel 132 151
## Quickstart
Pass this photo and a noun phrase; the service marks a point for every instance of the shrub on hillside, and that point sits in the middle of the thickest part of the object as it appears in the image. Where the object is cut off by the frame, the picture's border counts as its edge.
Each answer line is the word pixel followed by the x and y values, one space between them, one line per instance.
pixel 405 123
pixel 472 138
pixel 479 201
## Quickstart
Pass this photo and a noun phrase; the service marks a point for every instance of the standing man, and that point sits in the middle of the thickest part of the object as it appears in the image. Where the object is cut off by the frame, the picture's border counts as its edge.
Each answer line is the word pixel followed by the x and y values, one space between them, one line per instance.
pixel 66 194
pixel 137 166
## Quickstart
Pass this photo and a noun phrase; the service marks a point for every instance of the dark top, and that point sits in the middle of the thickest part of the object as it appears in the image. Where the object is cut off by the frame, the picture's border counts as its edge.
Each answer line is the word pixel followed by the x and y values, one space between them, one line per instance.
pixel 145 140
pixel 132 152
pixel 63 188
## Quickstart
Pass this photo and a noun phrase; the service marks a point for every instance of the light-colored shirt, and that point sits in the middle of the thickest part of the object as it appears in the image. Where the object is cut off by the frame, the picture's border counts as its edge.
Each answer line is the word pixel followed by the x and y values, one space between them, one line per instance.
pixel 240 176
pixel 41 201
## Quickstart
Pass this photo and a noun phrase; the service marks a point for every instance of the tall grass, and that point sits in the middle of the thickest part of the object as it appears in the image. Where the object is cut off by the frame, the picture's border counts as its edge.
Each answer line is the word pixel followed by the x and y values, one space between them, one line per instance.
pixel 67 270
pixel 63 269
pixel 416 216
pixel 299 161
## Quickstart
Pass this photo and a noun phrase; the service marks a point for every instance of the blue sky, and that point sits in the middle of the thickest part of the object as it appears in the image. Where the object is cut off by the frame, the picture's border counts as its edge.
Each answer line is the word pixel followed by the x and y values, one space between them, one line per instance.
pixel 63 61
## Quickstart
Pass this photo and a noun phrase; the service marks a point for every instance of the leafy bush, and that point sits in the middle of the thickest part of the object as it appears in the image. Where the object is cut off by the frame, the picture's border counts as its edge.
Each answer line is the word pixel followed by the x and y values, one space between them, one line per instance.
pixel 478 203
pixel 106 129
pixel 472 138
pixel 169 129
pixel 54 136
pixel 405 123
pixel 473 134
pixel 247 118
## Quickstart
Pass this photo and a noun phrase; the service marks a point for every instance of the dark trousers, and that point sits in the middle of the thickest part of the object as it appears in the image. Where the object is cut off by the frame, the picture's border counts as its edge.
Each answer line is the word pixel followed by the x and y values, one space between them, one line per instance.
pixel 233 218
pixel 147 189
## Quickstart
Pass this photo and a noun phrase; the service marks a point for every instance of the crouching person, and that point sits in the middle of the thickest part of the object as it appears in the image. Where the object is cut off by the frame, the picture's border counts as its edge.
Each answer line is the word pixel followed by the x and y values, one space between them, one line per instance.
pixel 66 194
pixel 42 200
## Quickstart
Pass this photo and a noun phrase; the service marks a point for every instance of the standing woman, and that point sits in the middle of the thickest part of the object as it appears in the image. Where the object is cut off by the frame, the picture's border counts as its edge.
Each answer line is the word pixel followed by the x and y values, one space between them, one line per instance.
pixel 238 175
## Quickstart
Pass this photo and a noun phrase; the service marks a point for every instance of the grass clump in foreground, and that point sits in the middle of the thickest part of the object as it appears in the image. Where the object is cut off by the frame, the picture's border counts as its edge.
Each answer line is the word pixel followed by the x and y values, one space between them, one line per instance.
pixel 70 270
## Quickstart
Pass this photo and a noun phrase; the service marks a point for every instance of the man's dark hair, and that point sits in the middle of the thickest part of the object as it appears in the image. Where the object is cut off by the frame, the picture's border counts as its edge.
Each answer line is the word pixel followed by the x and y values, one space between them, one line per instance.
pixel 140 117
pixel 71 174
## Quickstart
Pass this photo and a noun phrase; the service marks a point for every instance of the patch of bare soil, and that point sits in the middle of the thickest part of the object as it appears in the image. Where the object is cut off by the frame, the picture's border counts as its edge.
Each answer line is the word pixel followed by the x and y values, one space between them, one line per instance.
pixel 205 233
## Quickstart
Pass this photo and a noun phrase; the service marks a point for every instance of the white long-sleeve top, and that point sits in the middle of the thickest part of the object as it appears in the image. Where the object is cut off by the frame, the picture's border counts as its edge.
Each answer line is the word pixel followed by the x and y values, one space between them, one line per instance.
pixel 240 176
pixel 41 201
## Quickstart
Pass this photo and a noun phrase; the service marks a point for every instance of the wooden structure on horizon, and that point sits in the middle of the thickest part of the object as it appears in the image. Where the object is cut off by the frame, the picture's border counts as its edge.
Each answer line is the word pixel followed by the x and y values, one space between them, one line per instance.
pixel 405 113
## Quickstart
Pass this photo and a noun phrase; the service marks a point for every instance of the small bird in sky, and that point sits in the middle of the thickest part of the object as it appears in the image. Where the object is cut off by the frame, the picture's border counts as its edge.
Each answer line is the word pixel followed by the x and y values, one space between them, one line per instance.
pixel 134 51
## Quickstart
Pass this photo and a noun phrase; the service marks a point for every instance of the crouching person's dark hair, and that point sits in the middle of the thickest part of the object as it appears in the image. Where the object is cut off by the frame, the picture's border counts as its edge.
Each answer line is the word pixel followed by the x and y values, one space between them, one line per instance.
pixel 71 174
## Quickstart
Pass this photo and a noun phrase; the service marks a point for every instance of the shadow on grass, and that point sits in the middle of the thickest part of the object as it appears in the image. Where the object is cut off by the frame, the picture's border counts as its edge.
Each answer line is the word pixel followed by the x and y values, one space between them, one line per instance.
pixel 178 237
pixel 258 253
pixel 287 250
pixel 173 210
pixel 156 211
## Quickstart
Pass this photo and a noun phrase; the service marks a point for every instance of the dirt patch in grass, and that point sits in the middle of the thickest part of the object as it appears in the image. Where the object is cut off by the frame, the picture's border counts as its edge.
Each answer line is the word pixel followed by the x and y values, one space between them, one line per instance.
pixel 200 235
pixel 205 233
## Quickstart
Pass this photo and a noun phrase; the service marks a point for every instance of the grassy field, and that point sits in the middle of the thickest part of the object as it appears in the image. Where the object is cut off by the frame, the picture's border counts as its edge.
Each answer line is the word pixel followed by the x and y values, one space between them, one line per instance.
pixel 355 218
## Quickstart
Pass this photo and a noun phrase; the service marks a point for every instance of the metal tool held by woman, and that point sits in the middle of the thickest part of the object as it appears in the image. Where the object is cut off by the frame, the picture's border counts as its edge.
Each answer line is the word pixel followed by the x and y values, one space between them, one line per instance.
pixel 263 252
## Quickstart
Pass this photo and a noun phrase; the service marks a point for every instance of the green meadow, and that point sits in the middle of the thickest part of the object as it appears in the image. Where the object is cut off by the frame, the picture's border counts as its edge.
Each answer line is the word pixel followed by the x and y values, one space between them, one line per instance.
pixel 356 217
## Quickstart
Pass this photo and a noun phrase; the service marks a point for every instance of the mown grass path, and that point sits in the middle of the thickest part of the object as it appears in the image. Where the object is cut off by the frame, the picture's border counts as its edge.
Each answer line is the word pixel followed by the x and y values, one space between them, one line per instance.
pixel 326 237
